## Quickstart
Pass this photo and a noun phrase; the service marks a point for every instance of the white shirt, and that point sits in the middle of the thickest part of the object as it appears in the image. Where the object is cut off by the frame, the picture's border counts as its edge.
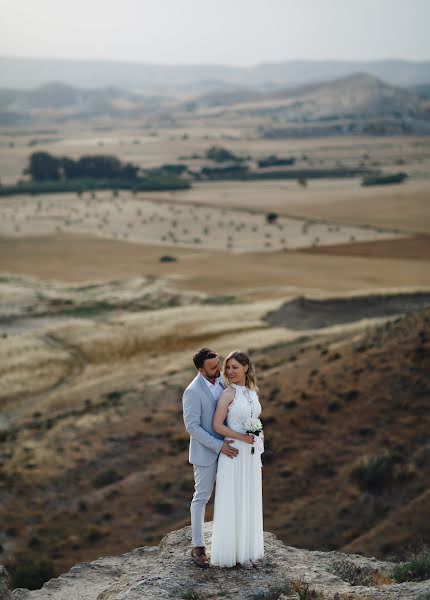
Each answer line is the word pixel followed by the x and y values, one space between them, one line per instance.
pixel 215 388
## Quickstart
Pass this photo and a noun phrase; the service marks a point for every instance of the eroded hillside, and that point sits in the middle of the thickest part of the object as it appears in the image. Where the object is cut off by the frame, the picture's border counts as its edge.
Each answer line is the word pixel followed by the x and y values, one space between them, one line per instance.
pixel 108 471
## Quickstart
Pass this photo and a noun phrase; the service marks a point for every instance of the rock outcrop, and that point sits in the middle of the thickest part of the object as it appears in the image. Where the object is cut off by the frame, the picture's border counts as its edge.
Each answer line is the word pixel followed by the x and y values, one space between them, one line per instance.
pixel 166 571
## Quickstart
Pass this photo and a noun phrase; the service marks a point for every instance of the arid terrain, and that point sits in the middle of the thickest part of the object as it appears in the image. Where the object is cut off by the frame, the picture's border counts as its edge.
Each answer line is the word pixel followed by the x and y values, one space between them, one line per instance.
pixel 104 298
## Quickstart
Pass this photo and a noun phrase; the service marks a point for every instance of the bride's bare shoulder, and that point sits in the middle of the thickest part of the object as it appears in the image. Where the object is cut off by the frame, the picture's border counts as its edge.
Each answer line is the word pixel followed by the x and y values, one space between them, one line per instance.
pixel 228 394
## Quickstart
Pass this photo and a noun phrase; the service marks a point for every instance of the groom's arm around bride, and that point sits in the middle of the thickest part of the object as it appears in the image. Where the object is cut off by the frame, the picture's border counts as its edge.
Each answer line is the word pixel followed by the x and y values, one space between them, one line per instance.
pixel 199 406
pixel 192 420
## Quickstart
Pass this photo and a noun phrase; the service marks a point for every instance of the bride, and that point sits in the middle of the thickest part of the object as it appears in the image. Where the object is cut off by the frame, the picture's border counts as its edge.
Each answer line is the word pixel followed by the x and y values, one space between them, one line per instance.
pixel 237 536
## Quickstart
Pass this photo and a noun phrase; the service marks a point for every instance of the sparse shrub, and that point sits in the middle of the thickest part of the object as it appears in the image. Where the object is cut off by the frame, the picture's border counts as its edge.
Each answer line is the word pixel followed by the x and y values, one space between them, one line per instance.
pixel 219 154
pixel 274 393
pixel 352 573
pixel 167 258
pixel 164 508
pixel 301 587
pixel 179 444
pixel 164 486
pixel 417 569
pixel 185 485
pixel 274 593
pixel 190 594
pixel 115 396
pixel 271 217
pixel 290 404
pixel 372 473
pixel 33 542
pixel 350 395
pixel 106 477
pixel 94 535
pixel 333 406
pixel 32 575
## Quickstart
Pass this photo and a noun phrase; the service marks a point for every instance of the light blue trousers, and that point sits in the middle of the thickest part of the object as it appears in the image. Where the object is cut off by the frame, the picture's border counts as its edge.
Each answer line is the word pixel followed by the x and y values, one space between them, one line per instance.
pixel 204 479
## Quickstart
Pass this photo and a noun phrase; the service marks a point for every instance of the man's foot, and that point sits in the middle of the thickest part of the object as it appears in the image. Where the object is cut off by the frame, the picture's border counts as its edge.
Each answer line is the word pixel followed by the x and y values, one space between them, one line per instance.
pixel 198 554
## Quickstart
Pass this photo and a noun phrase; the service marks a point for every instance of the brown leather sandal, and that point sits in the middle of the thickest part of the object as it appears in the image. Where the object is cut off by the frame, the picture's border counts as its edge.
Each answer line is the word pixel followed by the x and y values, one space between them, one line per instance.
pixel 198 554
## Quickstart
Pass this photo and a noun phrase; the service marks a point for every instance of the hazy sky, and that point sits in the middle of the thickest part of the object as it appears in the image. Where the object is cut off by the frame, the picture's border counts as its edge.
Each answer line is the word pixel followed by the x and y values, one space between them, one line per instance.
pixel 238 32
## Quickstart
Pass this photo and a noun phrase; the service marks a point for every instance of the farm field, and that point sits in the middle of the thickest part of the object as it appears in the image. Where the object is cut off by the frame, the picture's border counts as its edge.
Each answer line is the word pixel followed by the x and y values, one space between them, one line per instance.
pixel 105 296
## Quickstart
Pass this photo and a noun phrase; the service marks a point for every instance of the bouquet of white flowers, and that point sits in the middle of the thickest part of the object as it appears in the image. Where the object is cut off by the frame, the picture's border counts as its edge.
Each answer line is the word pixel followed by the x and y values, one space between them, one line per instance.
pixel 255 427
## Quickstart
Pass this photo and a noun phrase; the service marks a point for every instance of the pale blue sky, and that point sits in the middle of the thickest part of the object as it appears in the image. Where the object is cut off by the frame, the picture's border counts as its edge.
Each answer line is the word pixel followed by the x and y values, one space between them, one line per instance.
pixel 236 32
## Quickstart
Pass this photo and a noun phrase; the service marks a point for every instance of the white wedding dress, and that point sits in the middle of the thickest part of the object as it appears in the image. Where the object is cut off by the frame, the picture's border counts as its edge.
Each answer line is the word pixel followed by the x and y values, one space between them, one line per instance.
pixel 238 512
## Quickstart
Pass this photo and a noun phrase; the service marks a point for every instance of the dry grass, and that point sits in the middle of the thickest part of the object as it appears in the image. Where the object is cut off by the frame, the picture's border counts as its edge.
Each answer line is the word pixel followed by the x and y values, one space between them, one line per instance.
pixel 214 272
pixel 30 365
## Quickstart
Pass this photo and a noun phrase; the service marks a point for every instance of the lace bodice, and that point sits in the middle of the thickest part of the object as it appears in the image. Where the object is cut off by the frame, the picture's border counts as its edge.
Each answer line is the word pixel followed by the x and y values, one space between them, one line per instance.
pixel 245 405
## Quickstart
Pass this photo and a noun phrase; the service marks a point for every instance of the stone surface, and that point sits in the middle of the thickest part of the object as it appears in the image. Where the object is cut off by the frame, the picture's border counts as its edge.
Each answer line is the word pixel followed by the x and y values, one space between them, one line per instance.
pixel 167 571
pixel 4 584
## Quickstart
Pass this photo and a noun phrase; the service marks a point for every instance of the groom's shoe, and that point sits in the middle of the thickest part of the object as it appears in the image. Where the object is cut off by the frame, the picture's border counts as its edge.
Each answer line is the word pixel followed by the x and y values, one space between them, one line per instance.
pixel 199 556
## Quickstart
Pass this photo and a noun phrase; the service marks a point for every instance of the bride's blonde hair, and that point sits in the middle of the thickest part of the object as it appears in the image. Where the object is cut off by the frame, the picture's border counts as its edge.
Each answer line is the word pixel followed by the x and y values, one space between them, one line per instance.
pixel 245 361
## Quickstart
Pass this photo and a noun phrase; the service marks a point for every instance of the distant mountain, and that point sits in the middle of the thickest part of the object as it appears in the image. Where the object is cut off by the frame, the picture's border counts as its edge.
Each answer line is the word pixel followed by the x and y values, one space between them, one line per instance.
pixel 26 73
pixel 359 94
pixel 58 102
pixel 353 104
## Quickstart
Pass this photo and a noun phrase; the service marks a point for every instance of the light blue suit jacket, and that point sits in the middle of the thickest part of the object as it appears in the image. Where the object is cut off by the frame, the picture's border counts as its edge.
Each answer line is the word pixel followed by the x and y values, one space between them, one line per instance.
pixel 199 408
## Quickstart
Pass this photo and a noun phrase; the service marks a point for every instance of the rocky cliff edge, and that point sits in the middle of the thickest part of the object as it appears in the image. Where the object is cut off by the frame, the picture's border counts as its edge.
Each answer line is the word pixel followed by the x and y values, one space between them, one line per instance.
pixel 167 572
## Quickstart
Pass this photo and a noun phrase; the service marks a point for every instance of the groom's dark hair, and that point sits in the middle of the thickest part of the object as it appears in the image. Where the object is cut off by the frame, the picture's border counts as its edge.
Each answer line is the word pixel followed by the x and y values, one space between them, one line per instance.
pixel 202 355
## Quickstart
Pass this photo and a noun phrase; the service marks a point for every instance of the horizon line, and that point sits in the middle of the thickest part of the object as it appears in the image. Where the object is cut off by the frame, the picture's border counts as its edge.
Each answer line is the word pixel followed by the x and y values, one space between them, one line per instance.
pixel 214 64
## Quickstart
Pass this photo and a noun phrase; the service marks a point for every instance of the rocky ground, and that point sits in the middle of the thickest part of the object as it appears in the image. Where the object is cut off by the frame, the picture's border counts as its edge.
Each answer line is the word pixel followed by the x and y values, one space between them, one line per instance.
pixel 166 571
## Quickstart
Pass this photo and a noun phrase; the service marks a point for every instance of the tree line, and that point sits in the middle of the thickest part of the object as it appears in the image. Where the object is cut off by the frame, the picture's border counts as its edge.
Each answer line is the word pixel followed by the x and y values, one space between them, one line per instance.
pixel 46 167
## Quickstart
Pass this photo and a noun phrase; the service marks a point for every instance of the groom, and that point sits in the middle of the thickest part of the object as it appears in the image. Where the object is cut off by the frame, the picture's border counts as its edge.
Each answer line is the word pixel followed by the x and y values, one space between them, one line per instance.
pixel 199 403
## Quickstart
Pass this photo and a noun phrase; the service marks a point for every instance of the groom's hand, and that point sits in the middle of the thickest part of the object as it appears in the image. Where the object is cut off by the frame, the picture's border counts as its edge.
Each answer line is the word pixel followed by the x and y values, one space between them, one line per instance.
pixel 230 452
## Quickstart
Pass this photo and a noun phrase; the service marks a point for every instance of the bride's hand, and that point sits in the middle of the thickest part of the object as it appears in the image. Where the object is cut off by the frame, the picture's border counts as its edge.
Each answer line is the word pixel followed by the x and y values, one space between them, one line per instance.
pixel 248 438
